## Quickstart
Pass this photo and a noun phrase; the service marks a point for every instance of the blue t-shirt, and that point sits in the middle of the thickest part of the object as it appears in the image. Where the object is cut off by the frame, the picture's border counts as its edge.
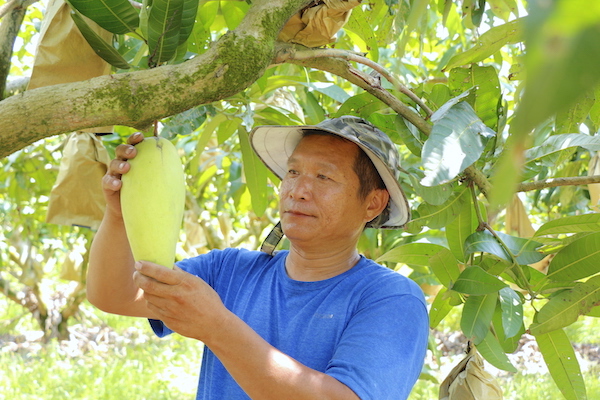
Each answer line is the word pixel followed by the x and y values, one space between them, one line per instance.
pixel 367 327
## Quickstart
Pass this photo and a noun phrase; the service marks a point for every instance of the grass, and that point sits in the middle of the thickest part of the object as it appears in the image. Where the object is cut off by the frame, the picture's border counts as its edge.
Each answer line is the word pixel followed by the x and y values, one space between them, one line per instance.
pixel 124 360
pixel 129 364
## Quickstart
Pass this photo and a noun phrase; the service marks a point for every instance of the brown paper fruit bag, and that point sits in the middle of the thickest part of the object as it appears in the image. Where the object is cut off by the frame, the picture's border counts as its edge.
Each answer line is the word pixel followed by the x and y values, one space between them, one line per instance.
pixel 317 24
pixel 76 197
pixel 470 381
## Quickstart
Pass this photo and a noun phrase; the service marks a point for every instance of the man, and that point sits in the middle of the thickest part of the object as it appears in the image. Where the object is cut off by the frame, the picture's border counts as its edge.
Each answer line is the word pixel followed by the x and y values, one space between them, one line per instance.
pixel 316 322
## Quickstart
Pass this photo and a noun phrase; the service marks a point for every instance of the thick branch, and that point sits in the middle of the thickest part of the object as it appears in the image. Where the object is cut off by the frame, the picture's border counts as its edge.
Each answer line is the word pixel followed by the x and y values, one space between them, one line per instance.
pixel 554 182
pixel 138 98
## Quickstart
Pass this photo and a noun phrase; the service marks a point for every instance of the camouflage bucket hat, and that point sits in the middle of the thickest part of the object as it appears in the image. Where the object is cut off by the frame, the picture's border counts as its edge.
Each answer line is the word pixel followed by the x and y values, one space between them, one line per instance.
pixel 275 144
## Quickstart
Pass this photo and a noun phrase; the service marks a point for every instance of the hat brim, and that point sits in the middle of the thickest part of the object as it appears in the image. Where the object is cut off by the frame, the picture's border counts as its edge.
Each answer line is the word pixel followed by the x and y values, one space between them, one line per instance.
pixel 275 144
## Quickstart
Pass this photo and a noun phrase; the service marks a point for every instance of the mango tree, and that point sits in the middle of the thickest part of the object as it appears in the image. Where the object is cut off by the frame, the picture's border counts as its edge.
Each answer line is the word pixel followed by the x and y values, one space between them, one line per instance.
pixel 493 105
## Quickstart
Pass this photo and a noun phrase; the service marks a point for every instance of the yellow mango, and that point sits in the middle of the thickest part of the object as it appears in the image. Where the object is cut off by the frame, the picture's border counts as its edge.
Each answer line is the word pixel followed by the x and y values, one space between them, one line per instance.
pixel 152 201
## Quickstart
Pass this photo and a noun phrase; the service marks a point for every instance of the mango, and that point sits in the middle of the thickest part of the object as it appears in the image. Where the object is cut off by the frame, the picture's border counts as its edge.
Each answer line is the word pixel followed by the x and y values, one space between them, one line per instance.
pixel 152 201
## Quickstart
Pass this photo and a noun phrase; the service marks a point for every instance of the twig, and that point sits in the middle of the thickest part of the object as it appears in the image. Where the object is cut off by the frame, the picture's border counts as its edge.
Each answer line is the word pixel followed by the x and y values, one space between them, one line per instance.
pixel 478 213
pixel 519 275
pixel 554 182
pixel 350 56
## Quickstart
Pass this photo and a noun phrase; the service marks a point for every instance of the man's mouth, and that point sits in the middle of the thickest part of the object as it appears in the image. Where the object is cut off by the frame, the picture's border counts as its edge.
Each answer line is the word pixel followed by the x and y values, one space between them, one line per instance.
pixel 297 213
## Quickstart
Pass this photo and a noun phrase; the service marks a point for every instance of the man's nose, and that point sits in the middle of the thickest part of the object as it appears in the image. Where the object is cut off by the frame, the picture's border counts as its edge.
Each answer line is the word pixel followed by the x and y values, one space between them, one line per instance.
pixel 300 188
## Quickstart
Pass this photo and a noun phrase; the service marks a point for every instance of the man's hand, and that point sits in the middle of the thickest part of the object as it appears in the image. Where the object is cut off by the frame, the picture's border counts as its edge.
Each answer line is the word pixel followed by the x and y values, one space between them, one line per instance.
pixel 111 182
pixel 184 302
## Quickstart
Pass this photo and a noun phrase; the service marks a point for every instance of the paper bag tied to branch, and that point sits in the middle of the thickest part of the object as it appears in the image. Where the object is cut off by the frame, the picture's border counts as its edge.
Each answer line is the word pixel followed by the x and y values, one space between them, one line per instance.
pixel 317 24
pixel 470 381
pixel 62 56
pixel 76 197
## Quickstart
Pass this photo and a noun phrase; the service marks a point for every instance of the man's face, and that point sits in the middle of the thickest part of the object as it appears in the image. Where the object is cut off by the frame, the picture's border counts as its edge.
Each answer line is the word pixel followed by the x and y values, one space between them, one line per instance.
pixel 319 194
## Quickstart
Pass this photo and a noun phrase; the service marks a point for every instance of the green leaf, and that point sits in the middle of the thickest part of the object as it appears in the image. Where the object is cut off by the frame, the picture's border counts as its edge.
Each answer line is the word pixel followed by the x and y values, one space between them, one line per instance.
pixel 562 59
pixel 116 16
pixel 568 120
pixel 439 216
pixel 565 307
pixel 255 173
pixel 562 364
pixel 483 241
pixel 458 230
pixel 489 43
pixel 512 311
pixel 444 266
pixel 453 145
pixel 103 49
pixel 577 260
pixel 200 37
pixel 412 253
pixel 434 195
pixel 524 250
pixel 439 95
pixel 574 224
pixel 233 12
pixel 409 135
pixel 503 8
pixel 477 315
pixel 312 108
pixel 359 25
pixel 562 142
pixel 363 104
pixel 594 312
pixel 188 19
pixel 492 351
pixel 595 110
pixel 439 308
pixel 509 343
pixel 485 95
pixel 227 128
pixel 164 25
pixel 475 281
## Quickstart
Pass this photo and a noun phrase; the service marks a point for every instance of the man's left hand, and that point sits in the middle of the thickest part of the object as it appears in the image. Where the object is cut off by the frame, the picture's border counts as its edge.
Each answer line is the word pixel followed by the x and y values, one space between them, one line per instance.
pixel 184 302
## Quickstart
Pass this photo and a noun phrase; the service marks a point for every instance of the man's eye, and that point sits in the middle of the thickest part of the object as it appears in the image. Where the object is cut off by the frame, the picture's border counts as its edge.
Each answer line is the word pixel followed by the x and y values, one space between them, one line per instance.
pixel 321 176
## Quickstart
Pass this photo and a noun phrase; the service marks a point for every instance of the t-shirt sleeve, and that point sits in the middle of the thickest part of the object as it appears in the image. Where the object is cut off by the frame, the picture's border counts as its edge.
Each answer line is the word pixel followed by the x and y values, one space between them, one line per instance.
pixel 382 350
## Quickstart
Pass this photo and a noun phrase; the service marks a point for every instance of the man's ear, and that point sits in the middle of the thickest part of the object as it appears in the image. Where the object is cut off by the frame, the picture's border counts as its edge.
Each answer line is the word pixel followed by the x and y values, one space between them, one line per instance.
pixel 376 203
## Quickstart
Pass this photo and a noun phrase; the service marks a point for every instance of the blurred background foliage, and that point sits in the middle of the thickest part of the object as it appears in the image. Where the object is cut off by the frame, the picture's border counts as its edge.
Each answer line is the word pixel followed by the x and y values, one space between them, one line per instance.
pixel 503 181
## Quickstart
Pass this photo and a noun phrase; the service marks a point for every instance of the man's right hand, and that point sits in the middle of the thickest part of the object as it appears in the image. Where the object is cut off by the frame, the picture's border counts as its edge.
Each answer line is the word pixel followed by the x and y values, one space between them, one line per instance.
pixel 111 182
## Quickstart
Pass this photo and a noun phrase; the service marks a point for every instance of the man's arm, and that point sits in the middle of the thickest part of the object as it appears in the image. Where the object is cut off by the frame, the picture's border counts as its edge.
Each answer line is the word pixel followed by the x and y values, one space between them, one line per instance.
pixel 110 285
pixel 189 306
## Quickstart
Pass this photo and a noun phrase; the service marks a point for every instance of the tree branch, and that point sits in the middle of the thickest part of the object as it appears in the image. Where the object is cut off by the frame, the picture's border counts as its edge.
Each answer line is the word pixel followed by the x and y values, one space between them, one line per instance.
pixel 286 53
pixel 9 29
pixel 350 56
pixel 11 5
pixel 554 182
pixel 138 98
